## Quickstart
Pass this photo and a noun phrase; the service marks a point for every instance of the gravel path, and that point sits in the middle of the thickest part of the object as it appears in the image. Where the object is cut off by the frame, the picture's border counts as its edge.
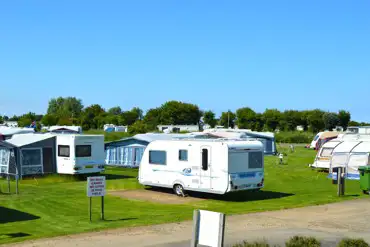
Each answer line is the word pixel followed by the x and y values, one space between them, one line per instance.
pixel 327 222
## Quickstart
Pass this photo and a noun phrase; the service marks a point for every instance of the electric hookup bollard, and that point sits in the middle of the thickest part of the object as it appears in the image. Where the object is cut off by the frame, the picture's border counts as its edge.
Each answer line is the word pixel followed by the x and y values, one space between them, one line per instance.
pixel 341 181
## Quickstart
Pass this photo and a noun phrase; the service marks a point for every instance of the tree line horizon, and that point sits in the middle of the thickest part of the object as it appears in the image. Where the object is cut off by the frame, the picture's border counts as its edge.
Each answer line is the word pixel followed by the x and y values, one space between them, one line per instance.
pixel 71 111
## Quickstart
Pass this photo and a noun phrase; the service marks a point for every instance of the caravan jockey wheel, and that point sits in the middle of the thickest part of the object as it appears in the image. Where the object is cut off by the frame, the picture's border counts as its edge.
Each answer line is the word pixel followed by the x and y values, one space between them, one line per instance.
pixel 179 190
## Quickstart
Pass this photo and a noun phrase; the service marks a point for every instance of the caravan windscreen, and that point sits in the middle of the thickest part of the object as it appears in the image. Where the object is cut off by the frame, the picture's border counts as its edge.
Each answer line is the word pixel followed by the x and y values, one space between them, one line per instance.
pixel 326 152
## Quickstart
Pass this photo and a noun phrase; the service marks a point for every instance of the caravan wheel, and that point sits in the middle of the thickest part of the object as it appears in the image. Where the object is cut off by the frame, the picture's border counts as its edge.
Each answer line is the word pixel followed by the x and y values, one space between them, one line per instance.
pixel 179 190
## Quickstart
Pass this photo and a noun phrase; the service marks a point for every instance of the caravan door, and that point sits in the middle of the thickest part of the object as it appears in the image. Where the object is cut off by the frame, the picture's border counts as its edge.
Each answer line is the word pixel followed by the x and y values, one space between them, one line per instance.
pixel 205 168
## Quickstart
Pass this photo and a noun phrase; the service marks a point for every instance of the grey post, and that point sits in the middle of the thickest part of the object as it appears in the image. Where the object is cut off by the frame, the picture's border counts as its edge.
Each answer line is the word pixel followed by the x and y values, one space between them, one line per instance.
pixel 222 231
pixel 194 239
pixel 340 180
pixel 90 208
pixel 102 207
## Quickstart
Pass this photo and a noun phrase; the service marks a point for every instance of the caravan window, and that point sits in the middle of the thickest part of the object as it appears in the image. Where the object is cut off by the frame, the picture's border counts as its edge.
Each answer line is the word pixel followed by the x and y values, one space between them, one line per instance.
pixel 316 137
pixel 326 152
pixel 183 155
pixel 63 151
pixel 204 159
pixel 83 150
pixel 255 160
pixel 157 157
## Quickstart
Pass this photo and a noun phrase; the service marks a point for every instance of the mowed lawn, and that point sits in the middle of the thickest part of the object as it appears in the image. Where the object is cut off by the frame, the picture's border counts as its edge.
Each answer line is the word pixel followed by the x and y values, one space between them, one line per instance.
pixel 58 205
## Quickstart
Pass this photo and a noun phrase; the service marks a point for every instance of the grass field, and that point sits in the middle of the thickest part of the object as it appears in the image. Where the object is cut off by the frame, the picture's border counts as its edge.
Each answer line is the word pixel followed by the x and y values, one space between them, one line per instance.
pixel 58 205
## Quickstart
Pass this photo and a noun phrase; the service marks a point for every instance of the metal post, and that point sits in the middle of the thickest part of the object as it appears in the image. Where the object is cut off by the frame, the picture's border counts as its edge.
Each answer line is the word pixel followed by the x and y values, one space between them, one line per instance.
pixel 222 231
pixel 102 207
pixel 340 180
pixel 90 208
pixel 194 239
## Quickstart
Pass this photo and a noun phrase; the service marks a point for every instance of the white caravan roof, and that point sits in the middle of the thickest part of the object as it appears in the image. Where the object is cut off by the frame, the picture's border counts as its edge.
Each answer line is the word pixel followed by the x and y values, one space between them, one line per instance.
pixel 26 139
pixel 15 130
pixel 345 147
pixel 363 147
pixel 331 144
pixel 232 144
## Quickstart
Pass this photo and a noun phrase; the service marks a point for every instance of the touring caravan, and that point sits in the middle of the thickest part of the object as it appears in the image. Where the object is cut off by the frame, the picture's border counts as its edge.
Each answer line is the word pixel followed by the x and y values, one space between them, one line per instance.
pixel 214 166
pixel 350 155
pixel 80 154
pixel 323 156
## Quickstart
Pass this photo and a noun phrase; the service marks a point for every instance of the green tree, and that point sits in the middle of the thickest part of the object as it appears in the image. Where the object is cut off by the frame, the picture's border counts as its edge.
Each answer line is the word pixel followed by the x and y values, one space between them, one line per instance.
pixel 49 120
pixel 353 123
pixel 115 111
pixel 152 118
pixel 344 118
pixel 5 118
pixel 27 119
pixel 176 112
pixel 139 127
pixel 93 117
pixel 1 119
pixel 315 120
pixel 227 119
pixel 246 118
pixel 209 118
pixel 138 113
pixel 65 107
pixel 330 120
pixel 271 118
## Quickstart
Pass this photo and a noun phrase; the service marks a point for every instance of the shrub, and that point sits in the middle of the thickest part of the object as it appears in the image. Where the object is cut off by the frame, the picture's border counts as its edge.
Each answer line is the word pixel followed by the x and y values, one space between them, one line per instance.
pixel 294 137
pixel 348 242
pixel 299 241
pixel 253 244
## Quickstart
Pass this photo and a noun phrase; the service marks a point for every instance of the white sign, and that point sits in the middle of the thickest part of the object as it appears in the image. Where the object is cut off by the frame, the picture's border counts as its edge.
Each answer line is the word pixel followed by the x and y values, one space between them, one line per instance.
pixel 95 186
pixel 211 228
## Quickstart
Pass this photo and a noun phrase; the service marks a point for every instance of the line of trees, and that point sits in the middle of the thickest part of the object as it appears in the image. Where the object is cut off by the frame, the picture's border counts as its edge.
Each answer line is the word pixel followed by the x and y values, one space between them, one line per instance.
pixel 71 111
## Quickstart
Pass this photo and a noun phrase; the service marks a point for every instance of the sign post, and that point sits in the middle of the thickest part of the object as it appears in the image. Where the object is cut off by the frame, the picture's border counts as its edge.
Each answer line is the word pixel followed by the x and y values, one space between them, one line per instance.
pixel 208 229
pixel 96 187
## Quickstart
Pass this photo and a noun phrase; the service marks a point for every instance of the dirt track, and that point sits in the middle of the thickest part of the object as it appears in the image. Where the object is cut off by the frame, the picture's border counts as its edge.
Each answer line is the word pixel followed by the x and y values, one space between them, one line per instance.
pixel 158 196
pixel 327 222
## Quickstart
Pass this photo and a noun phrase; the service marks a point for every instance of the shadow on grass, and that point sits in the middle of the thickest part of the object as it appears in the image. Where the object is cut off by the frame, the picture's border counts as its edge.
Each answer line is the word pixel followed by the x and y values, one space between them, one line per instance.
pixel 11 215
pixel 15 235
pixel 123 219
pixel 239 196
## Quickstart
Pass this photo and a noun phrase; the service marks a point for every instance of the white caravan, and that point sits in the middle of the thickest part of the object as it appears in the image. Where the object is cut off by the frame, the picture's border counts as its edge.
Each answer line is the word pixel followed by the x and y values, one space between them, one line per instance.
pixel 215 166
pixel 350 155
pixel 80 154
pixel 323 156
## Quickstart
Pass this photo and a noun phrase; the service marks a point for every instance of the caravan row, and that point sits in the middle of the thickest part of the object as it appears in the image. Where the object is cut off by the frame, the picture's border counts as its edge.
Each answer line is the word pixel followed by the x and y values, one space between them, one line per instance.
pixel 348 151
pixel 31 154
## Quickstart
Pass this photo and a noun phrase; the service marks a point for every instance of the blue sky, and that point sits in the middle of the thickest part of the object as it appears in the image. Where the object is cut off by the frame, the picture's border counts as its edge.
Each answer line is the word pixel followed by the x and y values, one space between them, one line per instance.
pixel 218 54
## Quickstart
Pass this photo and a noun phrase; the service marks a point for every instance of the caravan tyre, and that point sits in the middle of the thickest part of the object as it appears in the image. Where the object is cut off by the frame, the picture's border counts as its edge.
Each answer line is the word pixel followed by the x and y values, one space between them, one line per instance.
pixel 178 189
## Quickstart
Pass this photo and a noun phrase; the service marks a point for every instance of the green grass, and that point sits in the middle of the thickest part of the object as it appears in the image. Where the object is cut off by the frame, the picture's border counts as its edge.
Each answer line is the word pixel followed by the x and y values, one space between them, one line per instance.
pixel 57 205
pixel 108 136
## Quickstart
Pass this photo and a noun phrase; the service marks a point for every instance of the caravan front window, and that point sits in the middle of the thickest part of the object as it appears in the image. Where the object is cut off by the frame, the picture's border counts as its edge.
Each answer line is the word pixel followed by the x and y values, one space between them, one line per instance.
pixel 157 157
pixel 326 152
pixel 255 160
pixel 83 150
pixel 63 151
